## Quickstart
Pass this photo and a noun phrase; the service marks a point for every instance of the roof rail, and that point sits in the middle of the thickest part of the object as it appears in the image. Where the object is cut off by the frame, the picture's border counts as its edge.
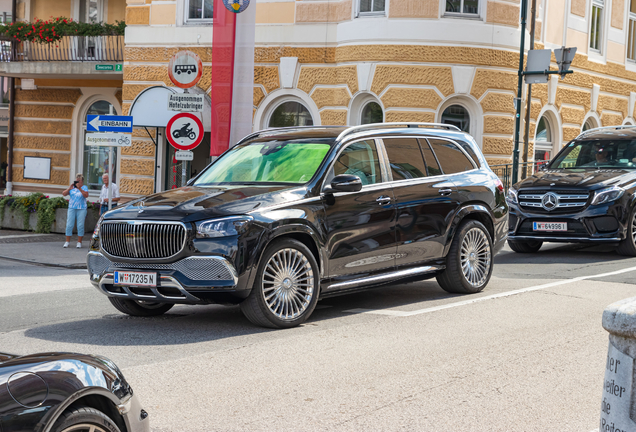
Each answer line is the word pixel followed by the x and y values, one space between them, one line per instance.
pixel 374 126
pixel 279 129
pixel 605 128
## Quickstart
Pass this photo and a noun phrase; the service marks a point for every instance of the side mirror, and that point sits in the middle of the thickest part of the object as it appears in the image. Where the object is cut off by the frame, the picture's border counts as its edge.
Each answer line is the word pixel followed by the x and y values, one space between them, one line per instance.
pixel 346 183
pixel 544 166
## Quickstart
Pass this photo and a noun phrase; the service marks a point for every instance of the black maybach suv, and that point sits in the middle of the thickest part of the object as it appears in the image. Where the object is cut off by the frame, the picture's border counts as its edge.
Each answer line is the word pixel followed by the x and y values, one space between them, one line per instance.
pixel 584 195
pixel 291 215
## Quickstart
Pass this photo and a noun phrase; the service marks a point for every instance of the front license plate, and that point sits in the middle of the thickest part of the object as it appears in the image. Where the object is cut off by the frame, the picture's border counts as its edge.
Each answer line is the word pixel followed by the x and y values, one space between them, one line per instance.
pixel 549 226
pixel 136 279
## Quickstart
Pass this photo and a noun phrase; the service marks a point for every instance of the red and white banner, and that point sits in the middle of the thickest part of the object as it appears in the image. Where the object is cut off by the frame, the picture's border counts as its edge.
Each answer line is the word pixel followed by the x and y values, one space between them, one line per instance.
pixel 232 76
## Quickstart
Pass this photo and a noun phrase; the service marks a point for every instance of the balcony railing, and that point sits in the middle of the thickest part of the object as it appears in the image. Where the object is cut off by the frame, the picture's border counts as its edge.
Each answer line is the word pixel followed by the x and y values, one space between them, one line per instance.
pixel 69 48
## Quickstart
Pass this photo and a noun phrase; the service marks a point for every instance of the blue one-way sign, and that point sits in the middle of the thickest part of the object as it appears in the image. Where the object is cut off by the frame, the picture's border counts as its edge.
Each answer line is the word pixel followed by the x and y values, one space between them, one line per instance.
pixel 108 123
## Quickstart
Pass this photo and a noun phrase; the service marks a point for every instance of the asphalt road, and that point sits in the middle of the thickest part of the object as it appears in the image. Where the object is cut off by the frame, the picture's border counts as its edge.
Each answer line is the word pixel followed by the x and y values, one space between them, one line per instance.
pixel 527 354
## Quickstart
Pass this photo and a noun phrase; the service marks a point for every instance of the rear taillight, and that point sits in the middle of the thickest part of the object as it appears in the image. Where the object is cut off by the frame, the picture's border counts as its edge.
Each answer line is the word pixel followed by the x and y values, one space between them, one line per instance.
pixel 499 185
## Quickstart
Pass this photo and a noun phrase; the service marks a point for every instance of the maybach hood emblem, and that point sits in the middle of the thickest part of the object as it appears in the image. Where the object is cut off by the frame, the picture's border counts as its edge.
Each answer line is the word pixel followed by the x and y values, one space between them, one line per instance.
pixel 236 6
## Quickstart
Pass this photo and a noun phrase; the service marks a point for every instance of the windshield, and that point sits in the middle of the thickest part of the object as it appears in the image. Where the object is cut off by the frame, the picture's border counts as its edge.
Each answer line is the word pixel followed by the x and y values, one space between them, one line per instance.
pixel 620 154
pixel 293 162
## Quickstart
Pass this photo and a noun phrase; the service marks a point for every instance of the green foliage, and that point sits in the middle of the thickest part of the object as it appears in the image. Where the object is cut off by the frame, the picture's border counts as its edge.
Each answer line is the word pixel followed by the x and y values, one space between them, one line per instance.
pixel 53 30
pixel 46 213
pixel 27 205
pixel 5 200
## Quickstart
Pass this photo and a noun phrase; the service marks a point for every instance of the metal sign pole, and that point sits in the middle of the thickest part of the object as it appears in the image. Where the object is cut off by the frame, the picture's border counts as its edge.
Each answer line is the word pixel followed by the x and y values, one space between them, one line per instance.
pixel 515 152
pixel 110 177
pixel 183 173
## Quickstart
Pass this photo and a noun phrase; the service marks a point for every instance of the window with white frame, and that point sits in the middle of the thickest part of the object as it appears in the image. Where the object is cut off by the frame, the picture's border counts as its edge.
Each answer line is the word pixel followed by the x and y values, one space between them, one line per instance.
pixel 631 33
pixel 371 7
pixel 199 11
pixel 462 7
pixel 596 26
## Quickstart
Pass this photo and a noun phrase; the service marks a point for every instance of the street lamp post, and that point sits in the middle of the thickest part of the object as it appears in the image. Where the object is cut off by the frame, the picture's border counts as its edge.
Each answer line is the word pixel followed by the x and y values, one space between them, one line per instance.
pixel 515 152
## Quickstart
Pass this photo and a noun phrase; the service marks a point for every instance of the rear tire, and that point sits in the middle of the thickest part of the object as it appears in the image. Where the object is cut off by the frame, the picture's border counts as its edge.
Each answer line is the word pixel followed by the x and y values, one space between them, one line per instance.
pixel 530 246
pixel 470 260
pixel 138 308
pixel 84 419
pixel 286 287
pixel 627 247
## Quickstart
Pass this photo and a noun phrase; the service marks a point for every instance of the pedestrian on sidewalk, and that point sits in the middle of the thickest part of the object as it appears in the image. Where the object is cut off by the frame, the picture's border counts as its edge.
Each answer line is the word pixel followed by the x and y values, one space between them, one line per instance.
pixel 103 197
pixel 76 209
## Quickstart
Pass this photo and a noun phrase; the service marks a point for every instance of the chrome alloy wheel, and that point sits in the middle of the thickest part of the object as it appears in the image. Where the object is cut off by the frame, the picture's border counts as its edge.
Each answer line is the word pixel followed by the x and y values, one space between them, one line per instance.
pixel 85 427
pixel 475 257
pixel 288 284
pixel 634 228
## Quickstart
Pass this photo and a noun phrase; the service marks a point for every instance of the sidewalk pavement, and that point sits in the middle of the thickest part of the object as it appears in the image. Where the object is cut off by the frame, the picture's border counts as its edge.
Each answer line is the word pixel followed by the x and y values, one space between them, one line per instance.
pixel 42 249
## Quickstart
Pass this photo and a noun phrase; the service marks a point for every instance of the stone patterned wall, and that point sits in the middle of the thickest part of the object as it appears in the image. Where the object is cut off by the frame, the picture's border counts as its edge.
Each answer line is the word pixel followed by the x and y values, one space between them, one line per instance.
pixel 414 9
pixel 321 11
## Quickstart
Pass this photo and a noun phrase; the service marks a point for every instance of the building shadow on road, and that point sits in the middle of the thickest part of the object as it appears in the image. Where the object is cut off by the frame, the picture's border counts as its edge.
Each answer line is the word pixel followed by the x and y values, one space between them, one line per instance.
pixel 193 324
pixel 556 253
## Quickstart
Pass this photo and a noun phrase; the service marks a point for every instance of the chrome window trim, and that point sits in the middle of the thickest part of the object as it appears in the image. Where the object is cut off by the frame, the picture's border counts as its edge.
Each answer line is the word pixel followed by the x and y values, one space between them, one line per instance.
pixel 136 222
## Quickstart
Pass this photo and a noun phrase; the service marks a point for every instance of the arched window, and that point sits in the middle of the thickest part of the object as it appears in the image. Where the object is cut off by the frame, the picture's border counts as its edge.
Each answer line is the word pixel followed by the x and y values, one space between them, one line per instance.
pixel 96 157
pixel 589 124
pixel 372 113
pixel 543 141
pixel 290 113
pixel 457 115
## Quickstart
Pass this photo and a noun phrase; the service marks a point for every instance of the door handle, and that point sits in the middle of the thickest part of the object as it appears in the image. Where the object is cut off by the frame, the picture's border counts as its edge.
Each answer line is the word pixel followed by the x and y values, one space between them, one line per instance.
pixel 383 200
pixel 445 192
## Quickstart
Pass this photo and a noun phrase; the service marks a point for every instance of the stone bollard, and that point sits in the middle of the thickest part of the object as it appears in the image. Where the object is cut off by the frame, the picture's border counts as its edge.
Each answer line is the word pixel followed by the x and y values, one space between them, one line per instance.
pixel 618 405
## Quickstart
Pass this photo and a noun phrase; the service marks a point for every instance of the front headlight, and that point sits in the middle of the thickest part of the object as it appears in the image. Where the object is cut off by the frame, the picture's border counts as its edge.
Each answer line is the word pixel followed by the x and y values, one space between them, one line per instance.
pixel 606 195
pixel 98 226
pixel 512 196
pixel 224 227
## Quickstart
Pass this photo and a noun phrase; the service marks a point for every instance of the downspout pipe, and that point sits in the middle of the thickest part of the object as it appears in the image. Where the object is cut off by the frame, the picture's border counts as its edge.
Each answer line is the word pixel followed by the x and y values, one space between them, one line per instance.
pixel 9 186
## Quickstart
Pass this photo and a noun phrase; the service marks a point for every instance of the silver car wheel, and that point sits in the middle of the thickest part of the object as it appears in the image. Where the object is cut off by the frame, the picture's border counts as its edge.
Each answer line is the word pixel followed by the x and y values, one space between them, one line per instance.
pixel 288 284
pixel 475 257
pixel 85 427
pixel 634 228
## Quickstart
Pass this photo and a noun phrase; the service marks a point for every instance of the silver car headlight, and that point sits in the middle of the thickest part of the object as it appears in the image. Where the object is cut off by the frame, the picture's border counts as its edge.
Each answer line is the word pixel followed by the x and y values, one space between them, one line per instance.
pixel 512 196
pixel 223 227
pixel 606 195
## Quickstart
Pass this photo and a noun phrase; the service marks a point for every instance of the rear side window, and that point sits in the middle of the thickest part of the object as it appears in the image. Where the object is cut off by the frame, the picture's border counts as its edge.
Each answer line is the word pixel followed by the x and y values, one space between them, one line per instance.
pixel 450 157
pixel 405 158
pixel 429 158
pixel 469 149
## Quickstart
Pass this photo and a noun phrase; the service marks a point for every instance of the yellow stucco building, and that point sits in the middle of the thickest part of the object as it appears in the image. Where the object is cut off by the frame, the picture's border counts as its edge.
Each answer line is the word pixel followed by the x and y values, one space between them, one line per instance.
pixel 341 62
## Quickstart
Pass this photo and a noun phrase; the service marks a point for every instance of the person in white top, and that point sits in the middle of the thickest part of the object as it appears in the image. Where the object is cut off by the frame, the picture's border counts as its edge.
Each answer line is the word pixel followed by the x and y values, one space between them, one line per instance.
pixel 103 196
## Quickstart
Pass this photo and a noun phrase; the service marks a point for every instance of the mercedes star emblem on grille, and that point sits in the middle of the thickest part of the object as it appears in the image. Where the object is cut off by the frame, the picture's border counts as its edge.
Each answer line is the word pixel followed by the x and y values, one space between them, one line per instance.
pixel 549 201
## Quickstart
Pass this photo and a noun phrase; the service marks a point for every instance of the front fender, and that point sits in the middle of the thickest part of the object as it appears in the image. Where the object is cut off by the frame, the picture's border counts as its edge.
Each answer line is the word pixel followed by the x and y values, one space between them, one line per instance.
pixel 286 228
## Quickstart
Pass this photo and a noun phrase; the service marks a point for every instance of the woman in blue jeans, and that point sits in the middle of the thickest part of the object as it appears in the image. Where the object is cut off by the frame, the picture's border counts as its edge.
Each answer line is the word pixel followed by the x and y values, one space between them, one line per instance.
pixel 76 209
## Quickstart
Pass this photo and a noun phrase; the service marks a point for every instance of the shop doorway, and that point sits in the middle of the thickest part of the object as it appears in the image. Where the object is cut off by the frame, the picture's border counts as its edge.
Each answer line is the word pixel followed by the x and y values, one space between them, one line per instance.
pixel 174 168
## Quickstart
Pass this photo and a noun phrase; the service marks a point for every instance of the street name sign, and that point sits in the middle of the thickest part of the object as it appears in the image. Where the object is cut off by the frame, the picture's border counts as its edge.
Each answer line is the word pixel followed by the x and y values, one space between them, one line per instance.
pixel 107 123
pixel 184 131
pixel 109 139
pixel 183 155
pixel 186 102
pixel 185 69
pixel 108 67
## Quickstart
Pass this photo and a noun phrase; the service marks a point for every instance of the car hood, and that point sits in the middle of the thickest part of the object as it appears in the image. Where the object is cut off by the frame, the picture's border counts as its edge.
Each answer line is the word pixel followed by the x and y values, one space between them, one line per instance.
pixel 191 203
pixel 588 179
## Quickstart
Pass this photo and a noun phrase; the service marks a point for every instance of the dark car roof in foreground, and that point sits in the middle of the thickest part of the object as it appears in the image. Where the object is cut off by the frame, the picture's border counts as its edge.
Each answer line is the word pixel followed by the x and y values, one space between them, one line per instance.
pixel 610 133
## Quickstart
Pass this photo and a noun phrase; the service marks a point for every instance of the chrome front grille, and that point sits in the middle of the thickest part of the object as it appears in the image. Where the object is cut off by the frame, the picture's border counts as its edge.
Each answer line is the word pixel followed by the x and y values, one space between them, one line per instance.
pixel 565 200
pixel 142 239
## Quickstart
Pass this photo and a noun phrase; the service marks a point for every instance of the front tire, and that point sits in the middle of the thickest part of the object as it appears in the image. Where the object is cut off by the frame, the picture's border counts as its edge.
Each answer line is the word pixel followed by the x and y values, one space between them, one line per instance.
pixel 627 246
pixel 469 261
pixel 84 419
pixel 286 287
pixel 140 308
pixel 530 246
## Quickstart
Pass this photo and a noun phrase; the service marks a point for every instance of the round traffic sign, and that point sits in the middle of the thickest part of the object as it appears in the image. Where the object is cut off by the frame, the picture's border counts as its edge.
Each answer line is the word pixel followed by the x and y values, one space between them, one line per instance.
pixel 185 69
pixel 185 131
pixel 236 6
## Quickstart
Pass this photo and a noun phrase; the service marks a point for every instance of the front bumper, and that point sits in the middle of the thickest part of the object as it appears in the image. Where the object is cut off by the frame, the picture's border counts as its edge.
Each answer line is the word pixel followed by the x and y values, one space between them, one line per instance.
pixel 192 280
pixel 135 417
pixel 594 224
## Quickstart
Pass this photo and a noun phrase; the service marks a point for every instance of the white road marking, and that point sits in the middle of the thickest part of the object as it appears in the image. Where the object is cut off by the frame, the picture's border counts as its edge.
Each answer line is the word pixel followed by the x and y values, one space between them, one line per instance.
pixel 21 236
pixel 398 313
